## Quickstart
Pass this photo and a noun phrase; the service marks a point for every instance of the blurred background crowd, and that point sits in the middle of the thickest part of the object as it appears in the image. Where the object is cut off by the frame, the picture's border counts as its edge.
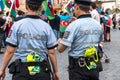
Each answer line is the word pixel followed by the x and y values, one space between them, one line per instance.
pixel 59 16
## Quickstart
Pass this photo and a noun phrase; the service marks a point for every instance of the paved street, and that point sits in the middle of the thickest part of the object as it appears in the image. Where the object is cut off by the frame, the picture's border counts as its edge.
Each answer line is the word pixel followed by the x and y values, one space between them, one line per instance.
pixel 111 70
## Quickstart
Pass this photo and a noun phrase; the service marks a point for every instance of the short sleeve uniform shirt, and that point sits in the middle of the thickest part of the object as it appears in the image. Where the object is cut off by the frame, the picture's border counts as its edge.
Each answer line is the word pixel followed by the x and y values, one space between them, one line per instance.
pixel 31 34
pixel 82 33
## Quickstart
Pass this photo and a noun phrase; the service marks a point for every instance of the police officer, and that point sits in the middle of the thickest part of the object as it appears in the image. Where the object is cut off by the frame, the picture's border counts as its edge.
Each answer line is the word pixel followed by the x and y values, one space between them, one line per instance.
pixel 82 37
pixel 33 40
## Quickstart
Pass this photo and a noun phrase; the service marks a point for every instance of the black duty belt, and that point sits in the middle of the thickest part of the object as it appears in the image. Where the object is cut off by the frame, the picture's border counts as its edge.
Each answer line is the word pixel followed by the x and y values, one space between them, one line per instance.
pixel 81 61
pixel 86 59
pixel 34 63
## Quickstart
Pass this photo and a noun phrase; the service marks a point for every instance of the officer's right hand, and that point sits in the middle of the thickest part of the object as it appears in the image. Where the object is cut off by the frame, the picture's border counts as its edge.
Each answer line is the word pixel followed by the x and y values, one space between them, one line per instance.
pixel 2 74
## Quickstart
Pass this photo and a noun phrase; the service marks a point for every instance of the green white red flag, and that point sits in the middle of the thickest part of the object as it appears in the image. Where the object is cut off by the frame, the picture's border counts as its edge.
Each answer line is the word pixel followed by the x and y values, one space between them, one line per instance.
pixel 13 7
pixel 48 8
pixel 69 6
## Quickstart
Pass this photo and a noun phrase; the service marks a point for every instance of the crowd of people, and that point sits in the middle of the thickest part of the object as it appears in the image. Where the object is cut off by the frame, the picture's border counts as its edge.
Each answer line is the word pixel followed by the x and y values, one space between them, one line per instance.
pixel 36 37
pixel 54 23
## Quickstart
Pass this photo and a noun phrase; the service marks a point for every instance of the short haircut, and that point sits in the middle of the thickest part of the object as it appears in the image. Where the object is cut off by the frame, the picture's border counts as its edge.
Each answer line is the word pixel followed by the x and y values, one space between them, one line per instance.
pixel 34 5
pixel 84 8
pixel 93 5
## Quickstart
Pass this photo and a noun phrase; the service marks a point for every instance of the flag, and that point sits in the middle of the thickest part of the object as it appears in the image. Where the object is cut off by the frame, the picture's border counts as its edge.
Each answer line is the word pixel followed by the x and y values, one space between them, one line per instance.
pixel 1 5
pixel 65 21
pixel 63 25
pixel 17 3
pixel 69 6
pixel 8 3
pixel 48 8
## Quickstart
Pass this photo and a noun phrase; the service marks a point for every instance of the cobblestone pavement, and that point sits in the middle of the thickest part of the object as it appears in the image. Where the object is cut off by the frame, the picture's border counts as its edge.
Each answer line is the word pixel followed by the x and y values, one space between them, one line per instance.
pixel 111 70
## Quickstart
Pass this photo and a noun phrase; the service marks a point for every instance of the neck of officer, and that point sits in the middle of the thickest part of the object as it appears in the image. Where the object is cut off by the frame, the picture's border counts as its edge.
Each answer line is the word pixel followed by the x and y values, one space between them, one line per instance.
pixel 81 13
pixel 30 12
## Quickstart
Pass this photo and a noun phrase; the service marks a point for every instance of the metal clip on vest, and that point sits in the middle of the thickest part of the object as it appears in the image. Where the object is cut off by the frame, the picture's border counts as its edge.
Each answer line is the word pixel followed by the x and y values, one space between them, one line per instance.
pixel 81 62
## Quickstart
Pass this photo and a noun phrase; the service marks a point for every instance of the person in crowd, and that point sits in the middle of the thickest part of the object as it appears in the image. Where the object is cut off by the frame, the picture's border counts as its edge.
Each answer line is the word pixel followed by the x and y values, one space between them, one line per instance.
pixel 73 18
pixel 114 21
pixel 9 25
pixel 55 24
pixel 118 22
pixel 65 18
pixel 103 23
pixel 61 13
pixel 20 15
pixel 94 12
pixel 3 24
pixel 34 41
pixel 43 16
pixel 108 25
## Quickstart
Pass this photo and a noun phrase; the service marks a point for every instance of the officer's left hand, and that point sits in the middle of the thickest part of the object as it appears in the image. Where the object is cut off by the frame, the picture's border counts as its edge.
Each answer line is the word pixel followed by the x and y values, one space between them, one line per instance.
pixel 2 74
pixel 59 40
pixel 56 76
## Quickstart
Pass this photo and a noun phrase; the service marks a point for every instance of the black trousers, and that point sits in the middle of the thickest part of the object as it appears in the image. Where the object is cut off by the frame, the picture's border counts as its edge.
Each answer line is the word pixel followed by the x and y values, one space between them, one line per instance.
pixel 23 74
pixel 82 73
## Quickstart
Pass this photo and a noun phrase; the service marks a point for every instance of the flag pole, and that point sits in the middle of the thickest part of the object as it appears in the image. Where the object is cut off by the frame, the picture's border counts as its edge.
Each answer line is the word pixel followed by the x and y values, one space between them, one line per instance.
pixel 67 4
pixel 11 8
pixel 8 19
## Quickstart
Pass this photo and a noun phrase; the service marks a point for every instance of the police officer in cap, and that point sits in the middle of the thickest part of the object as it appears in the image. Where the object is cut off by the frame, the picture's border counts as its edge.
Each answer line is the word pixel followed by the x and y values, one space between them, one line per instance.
pixel 33 40
pixel 82 37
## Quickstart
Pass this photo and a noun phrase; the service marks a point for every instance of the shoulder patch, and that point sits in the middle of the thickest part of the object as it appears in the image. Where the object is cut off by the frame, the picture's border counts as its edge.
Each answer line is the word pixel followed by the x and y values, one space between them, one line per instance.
pixel 66 34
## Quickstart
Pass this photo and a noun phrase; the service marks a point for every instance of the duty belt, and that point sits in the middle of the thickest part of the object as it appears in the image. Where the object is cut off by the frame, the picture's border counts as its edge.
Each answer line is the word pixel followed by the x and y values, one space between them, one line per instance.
pixel 34 63
pixel 88 62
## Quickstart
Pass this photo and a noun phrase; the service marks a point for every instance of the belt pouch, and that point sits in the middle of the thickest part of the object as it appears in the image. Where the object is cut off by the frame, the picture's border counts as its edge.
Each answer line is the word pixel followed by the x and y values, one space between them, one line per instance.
pixel 15 67
pixel 12 68
pixel 18 65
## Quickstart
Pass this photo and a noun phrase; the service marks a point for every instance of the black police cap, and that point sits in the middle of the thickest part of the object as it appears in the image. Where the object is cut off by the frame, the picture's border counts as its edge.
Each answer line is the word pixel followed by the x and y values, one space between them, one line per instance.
pixel 83 2
pixel 34 1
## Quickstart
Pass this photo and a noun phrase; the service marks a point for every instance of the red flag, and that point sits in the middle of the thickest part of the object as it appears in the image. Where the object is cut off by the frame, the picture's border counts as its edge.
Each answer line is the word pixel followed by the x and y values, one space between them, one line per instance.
pixel 69 5
pixel 9 28
pixel 17 3
pixel 51 7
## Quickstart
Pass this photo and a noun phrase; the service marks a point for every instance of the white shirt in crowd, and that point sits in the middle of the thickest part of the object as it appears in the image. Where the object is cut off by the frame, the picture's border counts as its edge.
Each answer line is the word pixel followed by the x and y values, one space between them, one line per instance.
pixel 95 15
